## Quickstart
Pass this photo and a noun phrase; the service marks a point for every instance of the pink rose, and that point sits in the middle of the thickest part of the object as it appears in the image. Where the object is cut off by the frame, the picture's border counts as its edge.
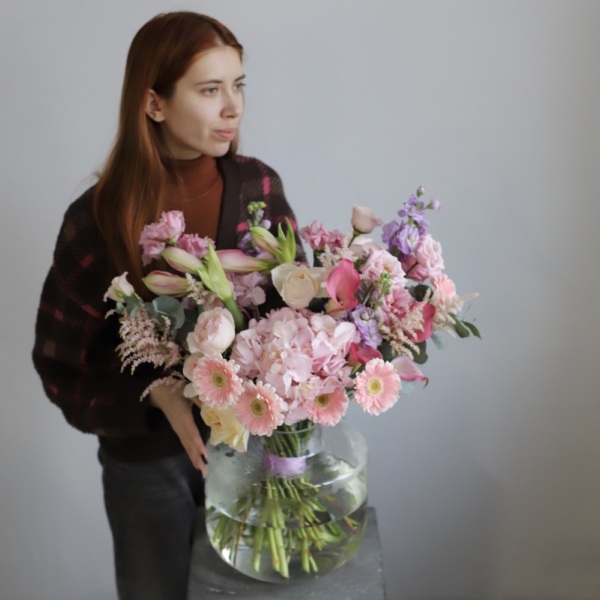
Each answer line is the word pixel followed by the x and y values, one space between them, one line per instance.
pixel 444 286
pixel 381 261
pixel 214 332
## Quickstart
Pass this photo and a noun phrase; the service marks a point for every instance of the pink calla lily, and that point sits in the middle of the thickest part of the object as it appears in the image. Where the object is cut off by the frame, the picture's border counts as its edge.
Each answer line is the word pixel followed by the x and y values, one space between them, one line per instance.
pixel 361 355
pixel 428 311
pixel 342 282
pixel 408 370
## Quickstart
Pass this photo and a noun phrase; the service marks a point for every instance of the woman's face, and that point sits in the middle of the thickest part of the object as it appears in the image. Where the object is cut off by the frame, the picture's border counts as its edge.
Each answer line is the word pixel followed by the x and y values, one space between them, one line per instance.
pixel 204 112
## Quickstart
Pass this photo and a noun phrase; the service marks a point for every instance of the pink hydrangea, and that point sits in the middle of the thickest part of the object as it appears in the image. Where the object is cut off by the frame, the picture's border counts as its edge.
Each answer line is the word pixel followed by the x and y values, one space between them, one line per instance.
pixel 248 288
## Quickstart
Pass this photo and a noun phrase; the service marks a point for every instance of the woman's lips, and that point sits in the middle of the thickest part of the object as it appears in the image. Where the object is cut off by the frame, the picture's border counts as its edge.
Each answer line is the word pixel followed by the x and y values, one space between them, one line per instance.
pixel 225 134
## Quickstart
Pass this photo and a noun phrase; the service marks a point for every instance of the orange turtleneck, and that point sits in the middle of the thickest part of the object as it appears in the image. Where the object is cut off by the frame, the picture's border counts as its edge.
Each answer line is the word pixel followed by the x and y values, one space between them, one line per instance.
pixel 197 190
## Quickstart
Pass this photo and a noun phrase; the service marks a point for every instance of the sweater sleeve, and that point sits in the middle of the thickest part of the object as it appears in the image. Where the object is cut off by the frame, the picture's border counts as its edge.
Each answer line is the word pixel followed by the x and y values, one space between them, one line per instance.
pixel 74 352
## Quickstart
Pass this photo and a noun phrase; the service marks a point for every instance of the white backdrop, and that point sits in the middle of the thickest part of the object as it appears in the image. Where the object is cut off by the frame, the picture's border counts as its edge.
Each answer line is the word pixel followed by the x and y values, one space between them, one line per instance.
pixel 486 483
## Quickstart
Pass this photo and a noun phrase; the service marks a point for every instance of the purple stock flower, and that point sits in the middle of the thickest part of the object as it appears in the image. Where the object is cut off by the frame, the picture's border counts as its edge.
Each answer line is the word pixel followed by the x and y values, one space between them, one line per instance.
pixel 364 319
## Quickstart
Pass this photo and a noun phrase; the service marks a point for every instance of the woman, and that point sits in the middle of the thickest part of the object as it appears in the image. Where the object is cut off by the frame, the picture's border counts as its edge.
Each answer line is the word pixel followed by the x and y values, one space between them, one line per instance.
pixel 181 106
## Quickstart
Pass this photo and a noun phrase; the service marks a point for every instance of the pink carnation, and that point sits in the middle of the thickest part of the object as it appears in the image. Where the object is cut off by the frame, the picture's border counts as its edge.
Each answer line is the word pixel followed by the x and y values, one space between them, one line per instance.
pixel 381 261
pixel 194 244
pixel 317 237
pixel 156 236
pixel 260 409
pixel 377 387
pixel 427 261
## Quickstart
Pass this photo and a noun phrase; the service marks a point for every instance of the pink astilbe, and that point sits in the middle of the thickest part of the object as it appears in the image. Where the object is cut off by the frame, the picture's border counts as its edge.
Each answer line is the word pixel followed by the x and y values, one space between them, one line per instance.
pixel 146 341
pixel 377 387
pixel 216 381
pixel 260 409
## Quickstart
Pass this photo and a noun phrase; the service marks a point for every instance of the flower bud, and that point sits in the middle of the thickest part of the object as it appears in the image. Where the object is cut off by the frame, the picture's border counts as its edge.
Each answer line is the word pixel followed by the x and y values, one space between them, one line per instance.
pixel 163 283
pixel 181 260
pixel 364 219
pixel 239 262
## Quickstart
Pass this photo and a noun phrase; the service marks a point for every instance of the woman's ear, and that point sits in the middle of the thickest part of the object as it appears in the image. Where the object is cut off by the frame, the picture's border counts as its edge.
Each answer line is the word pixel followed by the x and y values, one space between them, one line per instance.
pixel 154 106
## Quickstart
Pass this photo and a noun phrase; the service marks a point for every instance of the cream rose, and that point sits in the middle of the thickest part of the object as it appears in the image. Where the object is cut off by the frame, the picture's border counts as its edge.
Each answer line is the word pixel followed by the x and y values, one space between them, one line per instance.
pixel 297 285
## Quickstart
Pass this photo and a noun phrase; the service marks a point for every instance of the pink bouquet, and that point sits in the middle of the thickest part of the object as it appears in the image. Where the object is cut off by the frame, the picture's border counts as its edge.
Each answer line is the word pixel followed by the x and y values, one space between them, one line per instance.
pixel 262 342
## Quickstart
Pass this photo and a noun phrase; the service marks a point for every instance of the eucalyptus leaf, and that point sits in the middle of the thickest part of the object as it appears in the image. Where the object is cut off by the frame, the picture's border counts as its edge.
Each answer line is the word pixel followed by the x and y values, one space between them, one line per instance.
pixel 438 341
pixel 421 357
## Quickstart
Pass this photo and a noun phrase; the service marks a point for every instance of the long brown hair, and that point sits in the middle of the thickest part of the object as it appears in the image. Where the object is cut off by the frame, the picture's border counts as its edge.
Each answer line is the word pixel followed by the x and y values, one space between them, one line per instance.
pixel 129 193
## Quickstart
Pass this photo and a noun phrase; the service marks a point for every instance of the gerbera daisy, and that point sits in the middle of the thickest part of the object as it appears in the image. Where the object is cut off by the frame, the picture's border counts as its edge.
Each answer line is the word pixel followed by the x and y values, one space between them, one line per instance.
pixel 328 407
pixel 377 387
pixel 260 408
pixel 216 381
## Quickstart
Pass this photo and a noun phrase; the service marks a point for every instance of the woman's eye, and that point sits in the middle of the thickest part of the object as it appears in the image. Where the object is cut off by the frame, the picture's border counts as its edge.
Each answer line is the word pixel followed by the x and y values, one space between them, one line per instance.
pixel 239 86
pixel 211 91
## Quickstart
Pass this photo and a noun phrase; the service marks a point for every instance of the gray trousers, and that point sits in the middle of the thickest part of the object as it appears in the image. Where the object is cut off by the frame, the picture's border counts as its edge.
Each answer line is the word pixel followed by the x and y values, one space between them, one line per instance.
pixel 151 508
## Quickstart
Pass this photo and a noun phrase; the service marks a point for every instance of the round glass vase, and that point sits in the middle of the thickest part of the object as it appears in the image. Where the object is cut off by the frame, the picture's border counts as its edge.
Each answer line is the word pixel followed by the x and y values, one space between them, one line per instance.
pixel 293 506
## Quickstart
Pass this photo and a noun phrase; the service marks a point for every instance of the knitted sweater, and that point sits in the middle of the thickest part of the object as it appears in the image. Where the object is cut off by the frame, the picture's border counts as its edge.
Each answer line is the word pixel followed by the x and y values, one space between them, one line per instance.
pixel 74 352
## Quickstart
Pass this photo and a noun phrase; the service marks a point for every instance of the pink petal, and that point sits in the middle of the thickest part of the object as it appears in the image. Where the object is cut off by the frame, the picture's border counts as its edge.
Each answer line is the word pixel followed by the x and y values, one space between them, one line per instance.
pixel 407 369
pixel 342 282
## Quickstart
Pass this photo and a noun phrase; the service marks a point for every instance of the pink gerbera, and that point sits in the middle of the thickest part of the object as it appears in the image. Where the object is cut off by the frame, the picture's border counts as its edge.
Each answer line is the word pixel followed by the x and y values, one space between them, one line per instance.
pixel 260 409
pixel 328 407
pixel 377 387
pixel 216 381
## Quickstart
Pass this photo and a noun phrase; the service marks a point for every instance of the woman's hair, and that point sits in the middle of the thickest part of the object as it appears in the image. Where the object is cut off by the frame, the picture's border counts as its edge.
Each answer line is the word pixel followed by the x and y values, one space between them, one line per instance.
pixel 130 189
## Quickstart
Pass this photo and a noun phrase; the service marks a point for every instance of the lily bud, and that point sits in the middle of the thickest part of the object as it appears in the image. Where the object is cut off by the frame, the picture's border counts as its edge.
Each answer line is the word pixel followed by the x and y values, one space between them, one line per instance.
pixel 163 283
pixel 181 260
pixel 239 262
pixel 264 240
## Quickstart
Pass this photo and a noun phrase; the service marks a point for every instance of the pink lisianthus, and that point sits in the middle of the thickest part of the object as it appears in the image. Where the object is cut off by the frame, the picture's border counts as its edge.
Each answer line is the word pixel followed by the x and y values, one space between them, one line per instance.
pixel 216 381
pixel 156 236
pixel 260 409
pixel 317 237
pixel 330 403
pixel 427 261
pixel 194 244
pixel 377 388
pixel 342 282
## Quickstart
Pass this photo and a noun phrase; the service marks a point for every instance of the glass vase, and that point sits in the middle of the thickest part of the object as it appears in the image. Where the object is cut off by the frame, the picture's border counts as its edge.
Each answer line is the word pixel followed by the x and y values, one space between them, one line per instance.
pixel 293 506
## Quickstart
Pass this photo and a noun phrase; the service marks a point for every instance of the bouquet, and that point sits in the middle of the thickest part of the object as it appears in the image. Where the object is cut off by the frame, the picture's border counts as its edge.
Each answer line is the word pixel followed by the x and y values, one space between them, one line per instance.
pixel 265 344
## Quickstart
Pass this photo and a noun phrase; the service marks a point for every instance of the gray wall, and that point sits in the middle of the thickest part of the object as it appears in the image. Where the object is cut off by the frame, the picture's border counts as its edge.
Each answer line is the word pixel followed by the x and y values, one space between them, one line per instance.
pixel 486 483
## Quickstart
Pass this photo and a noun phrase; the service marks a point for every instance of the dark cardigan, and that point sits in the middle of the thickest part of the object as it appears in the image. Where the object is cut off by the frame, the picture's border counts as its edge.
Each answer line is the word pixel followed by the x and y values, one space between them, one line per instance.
pixel 74 350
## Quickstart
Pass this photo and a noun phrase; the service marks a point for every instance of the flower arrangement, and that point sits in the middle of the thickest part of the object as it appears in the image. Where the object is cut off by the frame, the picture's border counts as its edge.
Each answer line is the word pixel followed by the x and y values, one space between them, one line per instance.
pixel 263 343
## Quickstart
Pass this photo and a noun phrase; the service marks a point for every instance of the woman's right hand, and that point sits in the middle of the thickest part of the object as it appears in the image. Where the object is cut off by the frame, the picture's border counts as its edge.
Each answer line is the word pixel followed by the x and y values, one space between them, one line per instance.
pixel 178 411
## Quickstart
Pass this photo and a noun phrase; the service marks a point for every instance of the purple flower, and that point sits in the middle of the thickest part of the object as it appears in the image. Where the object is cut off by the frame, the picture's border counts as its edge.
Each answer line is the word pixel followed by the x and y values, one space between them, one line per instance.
pixel 364 319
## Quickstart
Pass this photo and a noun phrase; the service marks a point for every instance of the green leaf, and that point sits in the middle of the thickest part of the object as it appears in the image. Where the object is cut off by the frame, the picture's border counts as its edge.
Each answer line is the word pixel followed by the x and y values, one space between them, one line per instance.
pixel 422 357
pixel 165 306
pixel 473 329
pixel 460 329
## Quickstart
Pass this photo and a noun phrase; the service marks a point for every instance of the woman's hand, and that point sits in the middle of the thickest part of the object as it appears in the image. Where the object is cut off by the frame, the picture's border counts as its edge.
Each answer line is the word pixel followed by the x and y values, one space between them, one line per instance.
pixel 178 411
